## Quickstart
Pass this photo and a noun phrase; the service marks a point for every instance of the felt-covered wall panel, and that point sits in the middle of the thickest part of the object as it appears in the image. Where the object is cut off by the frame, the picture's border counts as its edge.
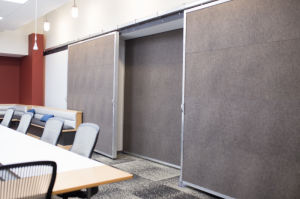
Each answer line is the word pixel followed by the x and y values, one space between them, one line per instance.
pixel 153 75
pixel 90 85
pixel 241 135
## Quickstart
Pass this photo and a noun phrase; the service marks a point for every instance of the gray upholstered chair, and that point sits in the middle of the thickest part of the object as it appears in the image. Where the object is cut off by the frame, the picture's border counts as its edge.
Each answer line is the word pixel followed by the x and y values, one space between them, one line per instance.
pixel 25 123
pixel 8 117
pixel 85 139
pixel 52 130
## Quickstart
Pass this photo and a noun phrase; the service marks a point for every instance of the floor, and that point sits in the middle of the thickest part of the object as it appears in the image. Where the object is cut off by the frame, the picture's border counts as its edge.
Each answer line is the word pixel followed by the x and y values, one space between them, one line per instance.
pixel 150 180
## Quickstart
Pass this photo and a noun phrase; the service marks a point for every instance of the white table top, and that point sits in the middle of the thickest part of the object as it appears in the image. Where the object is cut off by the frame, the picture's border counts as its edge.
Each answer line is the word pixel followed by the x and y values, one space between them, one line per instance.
pixel 16 147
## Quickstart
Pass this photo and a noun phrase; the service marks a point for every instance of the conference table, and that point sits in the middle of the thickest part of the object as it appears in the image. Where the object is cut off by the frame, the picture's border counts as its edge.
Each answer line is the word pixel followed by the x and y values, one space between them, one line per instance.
pixel 74 172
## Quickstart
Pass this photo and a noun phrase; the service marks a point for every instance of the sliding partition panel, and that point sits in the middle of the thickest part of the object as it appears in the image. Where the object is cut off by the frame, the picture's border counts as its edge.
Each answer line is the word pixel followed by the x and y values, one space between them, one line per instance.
pixel 241 135
pixel 153 96
pixel 93 87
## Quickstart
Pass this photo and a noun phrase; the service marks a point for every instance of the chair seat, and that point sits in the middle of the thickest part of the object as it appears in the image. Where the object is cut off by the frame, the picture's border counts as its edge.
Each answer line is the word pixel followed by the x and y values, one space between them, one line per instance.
pixel 40 123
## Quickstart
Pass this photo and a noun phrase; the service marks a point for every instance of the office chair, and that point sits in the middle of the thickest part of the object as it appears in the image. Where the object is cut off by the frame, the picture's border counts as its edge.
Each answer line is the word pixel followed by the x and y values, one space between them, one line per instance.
pixel 84 144
pixel 25 122
pixel 52 130
pixel 8 117
pixel 31 180
pixel 85 139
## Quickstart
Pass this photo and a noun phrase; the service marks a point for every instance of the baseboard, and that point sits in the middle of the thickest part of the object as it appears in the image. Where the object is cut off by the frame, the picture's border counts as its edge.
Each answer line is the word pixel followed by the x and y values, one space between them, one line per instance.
pixel 153 160
pixel 105 154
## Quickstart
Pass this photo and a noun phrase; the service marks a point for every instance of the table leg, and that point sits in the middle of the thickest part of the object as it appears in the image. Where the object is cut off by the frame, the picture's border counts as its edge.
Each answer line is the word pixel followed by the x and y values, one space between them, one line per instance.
pixel 88 193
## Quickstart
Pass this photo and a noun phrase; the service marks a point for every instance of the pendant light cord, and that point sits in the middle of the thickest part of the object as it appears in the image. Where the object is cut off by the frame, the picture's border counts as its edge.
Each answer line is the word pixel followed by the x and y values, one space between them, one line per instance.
pixel 35 17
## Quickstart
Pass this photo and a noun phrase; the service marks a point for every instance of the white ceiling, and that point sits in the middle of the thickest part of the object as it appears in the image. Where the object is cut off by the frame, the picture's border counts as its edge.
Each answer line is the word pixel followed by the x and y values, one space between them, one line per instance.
pixel 16 15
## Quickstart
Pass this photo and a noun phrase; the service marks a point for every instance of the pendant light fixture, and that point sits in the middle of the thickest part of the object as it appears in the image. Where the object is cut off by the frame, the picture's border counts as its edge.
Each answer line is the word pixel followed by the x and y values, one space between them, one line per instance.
pixel 35 47
pixel 46 24
pixel 74 10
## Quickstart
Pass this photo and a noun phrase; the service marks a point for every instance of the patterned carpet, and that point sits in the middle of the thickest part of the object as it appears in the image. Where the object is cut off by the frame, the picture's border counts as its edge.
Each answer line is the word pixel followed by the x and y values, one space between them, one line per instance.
pixel 150 180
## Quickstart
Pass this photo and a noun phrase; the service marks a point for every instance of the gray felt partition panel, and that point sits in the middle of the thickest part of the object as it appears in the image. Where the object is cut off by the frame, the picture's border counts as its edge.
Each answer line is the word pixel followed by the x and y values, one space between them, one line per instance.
pixel 91 79
pixel 152 115
pixel 242 99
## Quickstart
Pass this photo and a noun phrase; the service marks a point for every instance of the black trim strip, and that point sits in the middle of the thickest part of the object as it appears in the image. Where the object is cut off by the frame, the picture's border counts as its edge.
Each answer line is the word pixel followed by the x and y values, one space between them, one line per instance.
pixel 56 50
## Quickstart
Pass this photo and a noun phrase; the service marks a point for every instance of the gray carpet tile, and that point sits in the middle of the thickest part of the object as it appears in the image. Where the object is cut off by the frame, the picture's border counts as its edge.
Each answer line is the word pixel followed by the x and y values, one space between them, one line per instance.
pixel 184 196
pixel 128 185
pixel 150 180
pixel 115 193
pixel 149 170
pixel 121 158
pixel 173 182
pixel 156 191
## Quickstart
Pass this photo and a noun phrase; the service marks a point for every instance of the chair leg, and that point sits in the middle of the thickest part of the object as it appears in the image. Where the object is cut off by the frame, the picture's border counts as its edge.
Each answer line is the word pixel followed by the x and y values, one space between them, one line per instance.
pixel 88 193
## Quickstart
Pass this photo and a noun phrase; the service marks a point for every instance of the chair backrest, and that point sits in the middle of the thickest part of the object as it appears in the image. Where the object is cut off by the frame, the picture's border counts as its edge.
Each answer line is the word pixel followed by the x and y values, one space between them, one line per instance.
pixel 27 180
pixel 24 123
pixel 8 117
pixel 85 139
pixel 52 130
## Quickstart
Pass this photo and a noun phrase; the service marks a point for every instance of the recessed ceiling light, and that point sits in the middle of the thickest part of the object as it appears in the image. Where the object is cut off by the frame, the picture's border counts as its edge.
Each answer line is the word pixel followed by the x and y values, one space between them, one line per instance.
pixel 17 1
pixel 1 18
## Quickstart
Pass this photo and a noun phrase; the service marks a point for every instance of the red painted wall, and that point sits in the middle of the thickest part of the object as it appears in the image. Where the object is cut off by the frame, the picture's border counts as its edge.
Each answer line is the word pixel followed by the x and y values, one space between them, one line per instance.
pixel 22 79
pixel 25 79
pixel 9 80
pixel 32 73
pixel 38 72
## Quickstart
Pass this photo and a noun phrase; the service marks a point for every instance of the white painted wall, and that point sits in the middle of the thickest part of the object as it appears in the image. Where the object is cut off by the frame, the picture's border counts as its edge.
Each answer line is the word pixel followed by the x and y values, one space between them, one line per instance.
pixel 56 79
pixel 15 43
pixel 97 15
